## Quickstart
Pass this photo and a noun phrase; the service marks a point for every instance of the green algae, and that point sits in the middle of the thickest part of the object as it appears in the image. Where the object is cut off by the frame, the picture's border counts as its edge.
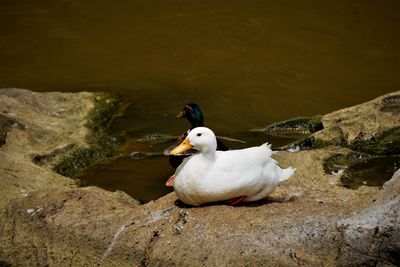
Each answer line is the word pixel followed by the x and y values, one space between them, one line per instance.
pixel 373 172
pixel 360 169
pixel 5 264
pixel 300 129
pixel 337 162
pixel 102 145
pixel 387 143
pixel 391 104
pixel 306 143
pixel 296 127
pixel 51 157
pixel 6 125
pixel 82 158
pixel 371 163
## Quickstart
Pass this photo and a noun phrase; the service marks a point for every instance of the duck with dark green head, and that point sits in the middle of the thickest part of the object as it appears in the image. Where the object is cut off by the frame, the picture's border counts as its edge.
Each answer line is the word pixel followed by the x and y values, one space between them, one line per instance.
pixel 193 114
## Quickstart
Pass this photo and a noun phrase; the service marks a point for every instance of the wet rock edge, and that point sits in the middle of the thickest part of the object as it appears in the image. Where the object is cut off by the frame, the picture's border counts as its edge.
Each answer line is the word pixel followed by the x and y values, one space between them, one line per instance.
pixel 89 226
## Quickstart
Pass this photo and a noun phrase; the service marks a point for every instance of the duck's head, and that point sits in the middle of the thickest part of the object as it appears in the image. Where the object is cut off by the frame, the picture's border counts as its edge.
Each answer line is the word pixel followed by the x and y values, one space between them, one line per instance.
pixel 193 114
pixel 200 138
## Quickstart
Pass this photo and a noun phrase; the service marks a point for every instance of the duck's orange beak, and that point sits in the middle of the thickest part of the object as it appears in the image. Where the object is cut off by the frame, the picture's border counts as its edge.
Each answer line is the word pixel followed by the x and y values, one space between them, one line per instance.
pixel 184 146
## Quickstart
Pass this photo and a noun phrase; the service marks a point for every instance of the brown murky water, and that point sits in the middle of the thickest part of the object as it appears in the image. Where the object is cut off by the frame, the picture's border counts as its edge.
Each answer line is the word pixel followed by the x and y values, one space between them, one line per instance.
pixel 246 63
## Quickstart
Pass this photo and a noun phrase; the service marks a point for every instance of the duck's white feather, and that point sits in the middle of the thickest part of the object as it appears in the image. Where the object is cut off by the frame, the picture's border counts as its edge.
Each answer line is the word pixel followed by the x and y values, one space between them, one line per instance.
pixel 228 174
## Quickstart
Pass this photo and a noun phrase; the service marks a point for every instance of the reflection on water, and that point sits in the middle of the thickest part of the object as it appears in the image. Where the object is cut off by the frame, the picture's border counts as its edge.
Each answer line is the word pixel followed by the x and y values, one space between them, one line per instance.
pixel 244 62
pixel 372 172
pixel 247 63
pixel 143 179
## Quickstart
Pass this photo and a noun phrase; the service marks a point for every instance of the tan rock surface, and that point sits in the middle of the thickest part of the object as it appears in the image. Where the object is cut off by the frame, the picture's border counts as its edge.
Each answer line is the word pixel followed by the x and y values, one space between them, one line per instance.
pixel 46 220
pixel 362 121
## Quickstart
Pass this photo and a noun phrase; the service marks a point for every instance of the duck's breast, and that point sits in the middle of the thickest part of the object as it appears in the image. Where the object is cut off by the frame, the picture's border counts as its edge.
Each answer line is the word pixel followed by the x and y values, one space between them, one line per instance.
pixel 189 179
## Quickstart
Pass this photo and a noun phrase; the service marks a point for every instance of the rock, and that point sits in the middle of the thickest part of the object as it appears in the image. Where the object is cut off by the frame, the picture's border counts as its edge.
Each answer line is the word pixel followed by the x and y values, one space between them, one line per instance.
pixel 297 127
pixel 39 130
pixel 372 237
pixel 6 125
pixel 372 127
pixel 45 219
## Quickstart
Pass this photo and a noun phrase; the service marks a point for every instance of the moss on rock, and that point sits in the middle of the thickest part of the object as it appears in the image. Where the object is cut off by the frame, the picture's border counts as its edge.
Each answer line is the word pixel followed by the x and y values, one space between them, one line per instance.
pixel 391 103
pixel 101 145
pixel 338 162
pixel 6 124
pixel 358 169
pixel 387 143
pixel 298 127
pixel 371 127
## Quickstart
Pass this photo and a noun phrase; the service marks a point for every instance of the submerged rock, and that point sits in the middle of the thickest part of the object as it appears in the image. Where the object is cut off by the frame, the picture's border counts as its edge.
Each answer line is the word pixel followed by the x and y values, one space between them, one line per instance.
pixel 297 127
pixel 310 220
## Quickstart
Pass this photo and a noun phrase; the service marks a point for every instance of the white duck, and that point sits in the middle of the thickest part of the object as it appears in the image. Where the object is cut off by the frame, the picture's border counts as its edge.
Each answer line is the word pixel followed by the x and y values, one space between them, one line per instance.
pixel 237 175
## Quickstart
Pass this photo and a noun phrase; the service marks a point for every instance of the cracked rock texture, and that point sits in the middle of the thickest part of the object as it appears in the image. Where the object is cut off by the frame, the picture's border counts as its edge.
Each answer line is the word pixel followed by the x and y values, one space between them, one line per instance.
pixel 45 219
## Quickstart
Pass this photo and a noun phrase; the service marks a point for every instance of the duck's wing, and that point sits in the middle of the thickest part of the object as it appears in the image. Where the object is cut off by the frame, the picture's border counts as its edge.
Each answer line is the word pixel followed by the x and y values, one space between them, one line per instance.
pixel 240 170
pixel 258 155
pixel 233 180
pixel 221 146
pixel 229 139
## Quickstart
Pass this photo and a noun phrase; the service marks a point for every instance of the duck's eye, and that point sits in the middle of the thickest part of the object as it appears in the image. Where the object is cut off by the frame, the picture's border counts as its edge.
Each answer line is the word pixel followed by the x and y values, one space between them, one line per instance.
pixel 199 134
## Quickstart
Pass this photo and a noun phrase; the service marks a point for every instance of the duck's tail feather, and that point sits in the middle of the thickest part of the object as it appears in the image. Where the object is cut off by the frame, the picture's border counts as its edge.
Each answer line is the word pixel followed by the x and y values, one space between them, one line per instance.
pixel 269 150
pixel 285 174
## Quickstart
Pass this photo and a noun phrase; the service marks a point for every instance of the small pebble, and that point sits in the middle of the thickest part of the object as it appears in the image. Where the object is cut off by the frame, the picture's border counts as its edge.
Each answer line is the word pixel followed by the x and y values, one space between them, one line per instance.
pixel 30 211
